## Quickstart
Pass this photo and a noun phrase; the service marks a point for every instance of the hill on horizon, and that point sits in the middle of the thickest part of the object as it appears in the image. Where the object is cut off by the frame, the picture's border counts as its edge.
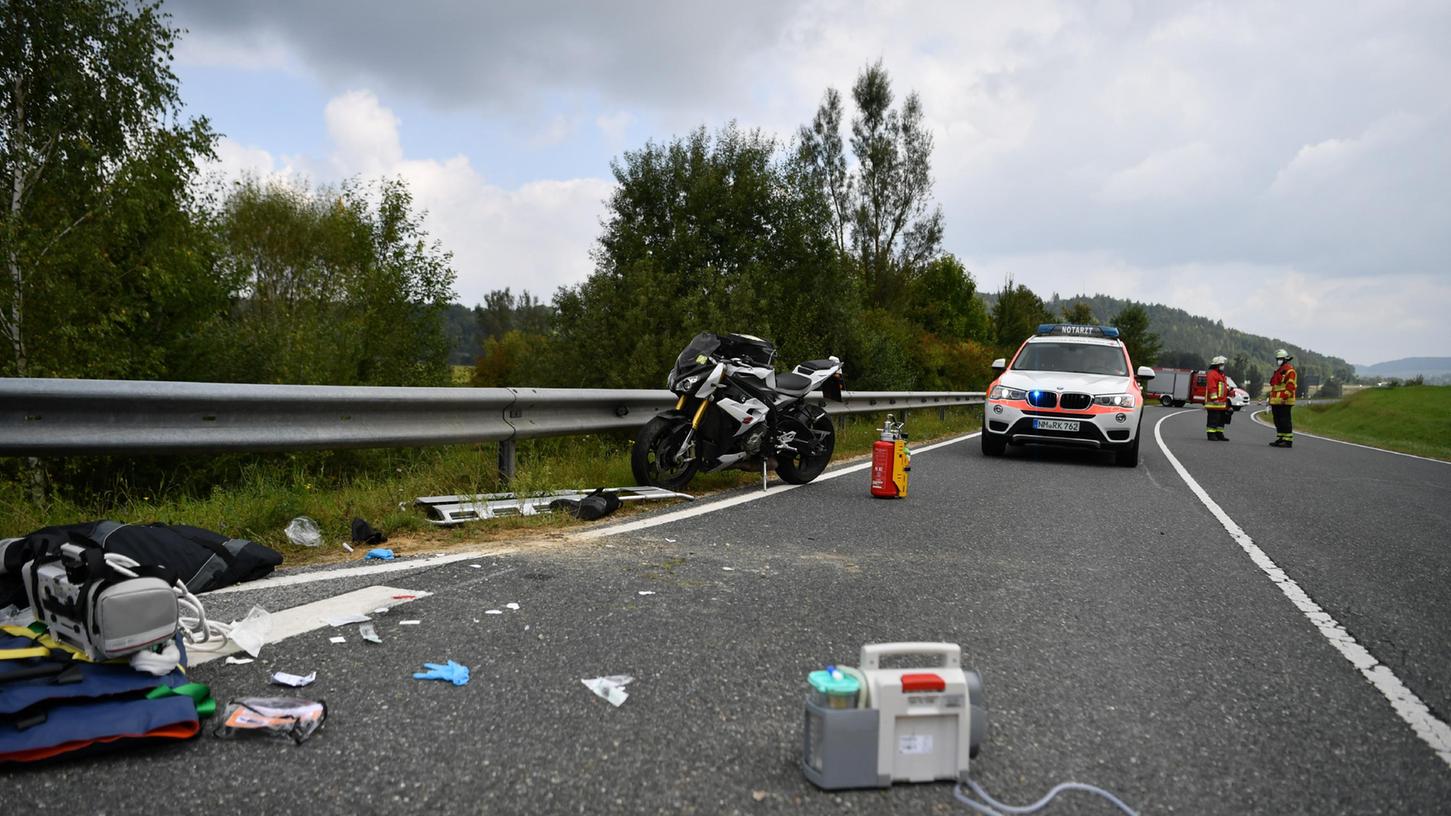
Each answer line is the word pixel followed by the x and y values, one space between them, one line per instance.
pixel 1434 369
pixel 1190 340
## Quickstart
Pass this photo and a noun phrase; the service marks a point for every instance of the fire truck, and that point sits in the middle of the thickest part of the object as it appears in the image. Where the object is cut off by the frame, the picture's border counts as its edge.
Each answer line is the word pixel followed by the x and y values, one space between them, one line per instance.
pixel 1181 386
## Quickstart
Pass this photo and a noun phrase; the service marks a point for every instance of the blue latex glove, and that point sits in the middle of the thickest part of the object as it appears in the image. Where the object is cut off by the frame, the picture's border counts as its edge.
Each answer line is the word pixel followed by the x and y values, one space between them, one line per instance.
pixel 380 553
pixel 452 672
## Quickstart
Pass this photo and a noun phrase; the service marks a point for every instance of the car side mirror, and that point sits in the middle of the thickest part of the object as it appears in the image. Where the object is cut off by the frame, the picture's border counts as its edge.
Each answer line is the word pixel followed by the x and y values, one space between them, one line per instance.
pixel 1146 373
pixel 1000 365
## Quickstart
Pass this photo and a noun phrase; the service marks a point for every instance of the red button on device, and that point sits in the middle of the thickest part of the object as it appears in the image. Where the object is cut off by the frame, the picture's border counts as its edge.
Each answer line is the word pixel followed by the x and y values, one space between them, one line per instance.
pixel 922 682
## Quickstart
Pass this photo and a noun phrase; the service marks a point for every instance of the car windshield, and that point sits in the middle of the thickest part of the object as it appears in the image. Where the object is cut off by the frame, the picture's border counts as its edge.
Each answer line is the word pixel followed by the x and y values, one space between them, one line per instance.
pixel 1079 358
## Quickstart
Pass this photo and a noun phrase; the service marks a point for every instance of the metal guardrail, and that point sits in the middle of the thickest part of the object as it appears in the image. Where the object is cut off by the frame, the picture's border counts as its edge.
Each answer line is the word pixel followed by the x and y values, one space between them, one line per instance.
pixel 55 417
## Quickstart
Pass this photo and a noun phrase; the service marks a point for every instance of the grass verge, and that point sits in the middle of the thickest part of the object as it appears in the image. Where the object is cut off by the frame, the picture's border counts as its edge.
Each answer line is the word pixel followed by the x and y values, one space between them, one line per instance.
pixel 256 496
pixel 1410 419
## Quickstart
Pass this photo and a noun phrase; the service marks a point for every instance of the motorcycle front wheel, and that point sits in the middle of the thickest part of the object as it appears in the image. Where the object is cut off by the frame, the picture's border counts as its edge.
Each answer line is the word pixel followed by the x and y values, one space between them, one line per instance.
pixel 653 458
pixel 800 467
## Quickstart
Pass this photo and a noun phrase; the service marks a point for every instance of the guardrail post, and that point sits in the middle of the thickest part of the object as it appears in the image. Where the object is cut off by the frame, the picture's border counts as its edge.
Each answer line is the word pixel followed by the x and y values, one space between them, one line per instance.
pixel 942 413
pixel 508 459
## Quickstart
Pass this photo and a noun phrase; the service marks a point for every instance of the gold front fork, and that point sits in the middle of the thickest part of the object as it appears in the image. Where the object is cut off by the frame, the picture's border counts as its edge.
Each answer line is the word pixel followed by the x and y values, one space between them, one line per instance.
pixel 699 412
pixel 680 403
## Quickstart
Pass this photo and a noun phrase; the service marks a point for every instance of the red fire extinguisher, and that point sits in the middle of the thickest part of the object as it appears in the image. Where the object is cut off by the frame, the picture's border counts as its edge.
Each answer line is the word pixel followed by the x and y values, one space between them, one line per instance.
pixel 891 461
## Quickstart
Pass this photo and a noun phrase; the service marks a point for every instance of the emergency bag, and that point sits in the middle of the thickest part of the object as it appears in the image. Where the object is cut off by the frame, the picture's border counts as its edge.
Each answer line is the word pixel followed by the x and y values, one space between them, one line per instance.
pixel 55 702
pixel 204 560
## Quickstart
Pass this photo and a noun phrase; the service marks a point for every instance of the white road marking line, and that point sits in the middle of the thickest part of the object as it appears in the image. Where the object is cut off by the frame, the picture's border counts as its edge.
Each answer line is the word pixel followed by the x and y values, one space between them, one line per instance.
pixel 288 623
pixel 1407 705
pixel 711 507
pixel 1255 417
pixel 357 572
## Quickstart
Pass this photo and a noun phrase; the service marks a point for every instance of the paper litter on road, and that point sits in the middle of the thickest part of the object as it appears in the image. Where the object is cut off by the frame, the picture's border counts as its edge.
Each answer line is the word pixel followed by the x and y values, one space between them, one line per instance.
pixel 476 566
pixel 493 611
pixel 369 634
pixel 729 569
pixel 294 680
pixel 238 661
pixel 382 610
pixel 338 639
pixel 344 620
pixel 611 688
pixel 646 592
pixel 669 541
pixel 511 605
pixel 409 623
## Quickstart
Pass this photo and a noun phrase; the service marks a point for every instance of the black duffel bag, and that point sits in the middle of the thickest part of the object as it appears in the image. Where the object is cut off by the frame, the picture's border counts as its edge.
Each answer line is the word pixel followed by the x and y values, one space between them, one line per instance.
pixel 205 560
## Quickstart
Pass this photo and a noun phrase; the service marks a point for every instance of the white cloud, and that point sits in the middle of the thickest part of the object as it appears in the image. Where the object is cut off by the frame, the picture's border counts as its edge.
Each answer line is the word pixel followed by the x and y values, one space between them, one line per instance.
pixel 1187 173
pixel 236 160
pixel 1364 319
pixel 364 134
pixel 1170 139
pixel 614 125
pixel 536 237
pixel 255 52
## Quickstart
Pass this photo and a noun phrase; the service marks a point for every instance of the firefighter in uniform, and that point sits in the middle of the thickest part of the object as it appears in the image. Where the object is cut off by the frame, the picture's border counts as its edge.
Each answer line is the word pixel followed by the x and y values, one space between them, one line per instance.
pixel 1216 400
pixel 1283 386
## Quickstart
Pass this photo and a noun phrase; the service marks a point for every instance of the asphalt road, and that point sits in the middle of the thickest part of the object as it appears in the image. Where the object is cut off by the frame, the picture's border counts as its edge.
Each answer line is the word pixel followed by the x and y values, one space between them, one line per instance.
pixel 1125 639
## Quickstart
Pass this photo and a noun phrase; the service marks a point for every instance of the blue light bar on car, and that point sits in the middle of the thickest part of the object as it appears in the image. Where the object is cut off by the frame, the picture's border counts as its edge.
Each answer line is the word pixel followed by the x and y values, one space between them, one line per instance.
pixel 1079 331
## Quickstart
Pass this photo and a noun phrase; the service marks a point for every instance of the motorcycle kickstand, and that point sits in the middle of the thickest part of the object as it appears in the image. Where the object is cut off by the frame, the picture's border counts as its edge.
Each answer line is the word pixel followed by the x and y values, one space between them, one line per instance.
pixel 763 475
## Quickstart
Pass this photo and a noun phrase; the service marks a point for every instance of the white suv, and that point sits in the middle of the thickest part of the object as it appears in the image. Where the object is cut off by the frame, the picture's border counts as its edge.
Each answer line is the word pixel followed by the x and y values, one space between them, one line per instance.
pixel 1067 385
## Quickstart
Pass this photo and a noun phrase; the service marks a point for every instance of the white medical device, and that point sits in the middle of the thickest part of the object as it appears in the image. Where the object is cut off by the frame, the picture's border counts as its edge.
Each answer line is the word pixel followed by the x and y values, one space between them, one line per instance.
pixel 908 724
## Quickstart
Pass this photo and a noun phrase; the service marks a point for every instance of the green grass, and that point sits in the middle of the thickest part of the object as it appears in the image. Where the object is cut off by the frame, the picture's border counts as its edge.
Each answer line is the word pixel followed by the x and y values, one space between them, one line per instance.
pixel 1411 419
pixel 255 496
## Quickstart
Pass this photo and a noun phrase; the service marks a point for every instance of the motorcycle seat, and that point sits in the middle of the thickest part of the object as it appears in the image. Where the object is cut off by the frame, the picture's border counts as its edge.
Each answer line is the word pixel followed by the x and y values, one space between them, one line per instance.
pixel 817 365
pixel 793 384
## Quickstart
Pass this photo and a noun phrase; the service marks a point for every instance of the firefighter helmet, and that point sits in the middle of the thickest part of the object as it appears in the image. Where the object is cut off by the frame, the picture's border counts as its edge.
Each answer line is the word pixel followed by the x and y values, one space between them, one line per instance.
pixel 1219 360
pixel 1283 355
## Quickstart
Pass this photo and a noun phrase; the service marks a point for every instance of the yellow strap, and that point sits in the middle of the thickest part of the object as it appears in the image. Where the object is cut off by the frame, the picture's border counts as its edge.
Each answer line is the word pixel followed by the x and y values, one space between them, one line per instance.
pixel 51 644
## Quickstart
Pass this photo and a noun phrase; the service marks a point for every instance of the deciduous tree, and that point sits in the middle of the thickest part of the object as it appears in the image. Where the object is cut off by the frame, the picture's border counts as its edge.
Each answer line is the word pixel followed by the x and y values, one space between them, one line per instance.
pixel 332 286
pixel 881 210
pixel 106 270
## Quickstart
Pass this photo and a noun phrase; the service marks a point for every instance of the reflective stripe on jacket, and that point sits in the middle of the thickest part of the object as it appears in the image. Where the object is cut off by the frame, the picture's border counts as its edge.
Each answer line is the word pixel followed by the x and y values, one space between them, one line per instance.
pixel 1284 384
pixel 1216 391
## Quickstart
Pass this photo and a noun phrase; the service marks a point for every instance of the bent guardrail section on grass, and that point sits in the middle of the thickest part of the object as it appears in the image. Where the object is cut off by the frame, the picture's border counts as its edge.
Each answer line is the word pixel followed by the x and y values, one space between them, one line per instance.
pixel 55 417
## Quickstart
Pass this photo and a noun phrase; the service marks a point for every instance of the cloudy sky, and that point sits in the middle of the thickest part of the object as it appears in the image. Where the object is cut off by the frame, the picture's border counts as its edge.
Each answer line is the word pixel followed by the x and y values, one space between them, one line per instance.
pixel 1283 167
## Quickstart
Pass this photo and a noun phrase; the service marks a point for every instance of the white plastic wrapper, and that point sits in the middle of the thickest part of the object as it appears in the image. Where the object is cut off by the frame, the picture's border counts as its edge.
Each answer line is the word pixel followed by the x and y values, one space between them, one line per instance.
pixel 611 688
pixel 250 633
pixel 294 680
pixel 282 716
pixel 304 531
pixel 17 616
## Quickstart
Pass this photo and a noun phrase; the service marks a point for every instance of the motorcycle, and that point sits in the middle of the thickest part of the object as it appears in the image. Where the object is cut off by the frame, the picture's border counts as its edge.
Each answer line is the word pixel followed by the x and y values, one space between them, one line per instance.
pixel 736 411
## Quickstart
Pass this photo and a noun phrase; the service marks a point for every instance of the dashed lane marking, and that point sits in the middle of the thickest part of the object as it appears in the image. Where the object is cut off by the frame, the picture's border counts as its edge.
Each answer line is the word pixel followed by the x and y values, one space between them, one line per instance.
pixel 1407 705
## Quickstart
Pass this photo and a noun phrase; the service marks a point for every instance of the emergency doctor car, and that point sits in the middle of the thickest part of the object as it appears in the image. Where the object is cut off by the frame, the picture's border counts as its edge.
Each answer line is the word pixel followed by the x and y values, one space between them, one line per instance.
pixel 1067 385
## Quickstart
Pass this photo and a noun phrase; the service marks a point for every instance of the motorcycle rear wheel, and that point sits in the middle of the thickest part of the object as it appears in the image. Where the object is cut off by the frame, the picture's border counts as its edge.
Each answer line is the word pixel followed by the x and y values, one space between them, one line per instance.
pixel 800 468
pixel 653 457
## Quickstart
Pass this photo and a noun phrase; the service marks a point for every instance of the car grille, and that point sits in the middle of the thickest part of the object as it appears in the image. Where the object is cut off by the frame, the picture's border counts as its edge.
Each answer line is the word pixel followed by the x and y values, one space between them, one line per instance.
pixel 1042 399
pixel 1075 402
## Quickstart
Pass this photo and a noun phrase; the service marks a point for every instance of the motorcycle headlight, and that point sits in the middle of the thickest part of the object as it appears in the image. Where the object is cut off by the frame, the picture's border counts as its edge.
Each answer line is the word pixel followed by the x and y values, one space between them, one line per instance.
pixel 685 385
pixel 1116 400
pixel 1002 392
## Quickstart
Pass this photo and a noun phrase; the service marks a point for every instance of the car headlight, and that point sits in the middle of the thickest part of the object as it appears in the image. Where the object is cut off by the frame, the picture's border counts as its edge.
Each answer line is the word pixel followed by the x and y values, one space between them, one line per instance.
pixel 1116 400
pixel 1001 392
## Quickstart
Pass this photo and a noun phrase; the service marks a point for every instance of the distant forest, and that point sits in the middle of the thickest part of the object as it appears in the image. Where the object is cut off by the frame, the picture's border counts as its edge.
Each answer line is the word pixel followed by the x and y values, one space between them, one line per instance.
pixel 1185 340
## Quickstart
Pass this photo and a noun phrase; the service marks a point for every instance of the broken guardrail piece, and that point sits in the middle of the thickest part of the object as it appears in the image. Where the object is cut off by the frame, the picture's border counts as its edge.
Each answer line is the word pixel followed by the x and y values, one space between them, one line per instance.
pixel 447 511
